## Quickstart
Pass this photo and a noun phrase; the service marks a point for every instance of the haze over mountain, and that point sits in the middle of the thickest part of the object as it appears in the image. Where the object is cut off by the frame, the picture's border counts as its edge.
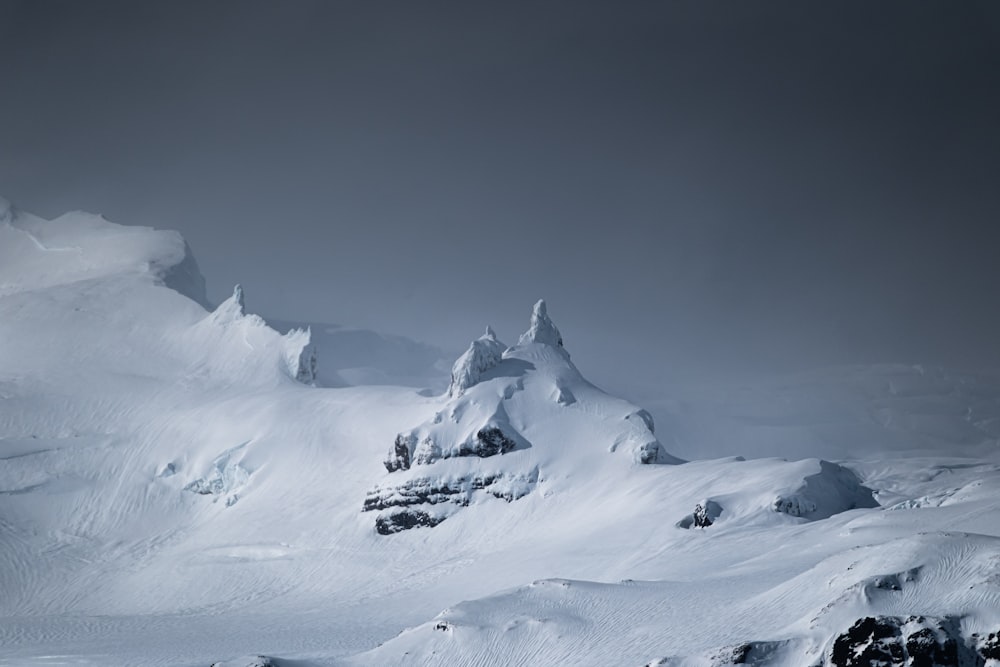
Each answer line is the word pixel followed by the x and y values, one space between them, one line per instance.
pixel 734 190
pixel 548 333
pixel 177 489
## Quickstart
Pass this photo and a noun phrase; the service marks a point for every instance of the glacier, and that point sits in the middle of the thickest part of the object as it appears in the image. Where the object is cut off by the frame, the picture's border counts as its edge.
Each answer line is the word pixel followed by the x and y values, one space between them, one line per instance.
pixel 177 487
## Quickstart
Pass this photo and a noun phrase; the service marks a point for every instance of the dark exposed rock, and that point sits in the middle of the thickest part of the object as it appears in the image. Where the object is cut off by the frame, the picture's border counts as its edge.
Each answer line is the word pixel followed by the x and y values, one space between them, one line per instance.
pixel 433 491
pixel 306 369
pixel 924 650
pixel 395 522
pixel 429 491
pixel 989 648
pixel 399 456
pixel 882 641
pixel 737 655
pixel 704 515
pixel 702 518
pixel 425 490
pixel 871 640
pixel 901 642
pixel 490 441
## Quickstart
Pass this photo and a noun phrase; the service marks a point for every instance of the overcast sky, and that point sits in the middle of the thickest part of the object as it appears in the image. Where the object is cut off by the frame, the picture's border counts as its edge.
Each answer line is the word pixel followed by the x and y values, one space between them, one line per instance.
pixel 695 187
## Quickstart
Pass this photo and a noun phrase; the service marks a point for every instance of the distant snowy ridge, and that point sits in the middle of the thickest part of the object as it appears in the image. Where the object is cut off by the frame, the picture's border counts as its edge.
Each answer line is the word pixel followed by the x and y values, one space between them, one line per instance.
pixel 76 246
pixel 294 348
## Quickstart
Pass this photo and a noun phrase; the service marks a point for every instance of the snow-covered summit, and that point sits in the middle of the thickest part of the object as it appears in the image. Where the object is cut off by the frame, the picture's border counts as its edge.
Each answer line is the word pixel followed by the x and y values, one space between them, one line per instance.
pixel 483 354
pixel 509 415
pixel 541 329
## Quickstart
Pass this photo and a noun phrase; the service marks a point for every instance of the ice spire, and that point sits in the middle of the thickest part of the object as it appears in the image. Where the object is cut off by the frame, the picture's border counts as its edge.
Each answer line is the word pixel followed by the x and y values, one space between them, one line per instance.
pixel 238 297
pixel 542 330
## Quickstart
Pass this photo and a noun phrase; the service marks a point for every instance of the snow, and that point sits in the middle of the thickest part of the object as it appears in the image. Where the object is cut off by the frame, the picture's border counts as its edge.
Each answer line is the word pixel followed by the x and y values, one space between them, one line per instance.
pixel 484 353
pixel 541 329
pixel 170 494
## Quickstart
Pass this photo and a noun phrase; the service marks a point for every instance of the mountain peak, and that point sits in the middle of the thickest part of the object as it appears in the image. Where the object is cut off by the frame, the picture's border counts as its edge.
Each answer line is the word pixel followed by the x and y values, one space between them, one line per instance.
pixel 541 329
pixel 483 354
pixel 238 298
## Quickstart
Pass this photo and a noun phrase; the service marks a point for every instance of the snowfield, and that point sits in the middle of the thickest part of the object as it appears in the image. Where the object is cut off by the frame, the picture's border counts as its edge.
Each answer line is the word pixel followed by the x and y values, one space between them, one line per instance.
pixel 181 485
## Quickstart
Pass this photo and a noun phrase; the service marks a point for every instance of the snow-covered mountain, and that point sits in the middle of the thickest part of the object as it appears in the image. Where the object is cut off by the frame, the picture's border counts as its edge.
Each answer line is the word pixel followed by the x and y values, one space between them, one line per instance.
pixel 177 488
pixel 512 420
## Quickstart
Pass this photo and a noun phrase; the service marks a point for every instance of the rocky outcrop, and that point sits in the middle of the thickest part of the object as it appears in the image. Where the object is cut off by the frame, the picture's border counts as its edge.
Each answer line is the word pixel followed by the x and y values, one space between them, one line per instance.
pixel 422 447
pixel 459 490
pixel 399 456
pixel 704 515
pixel 397 521
pixel 305 364
pixel 886 641
pixel 497 396
pixel 491 440
pixel 891 641
pixel 988 647
pixel 427 501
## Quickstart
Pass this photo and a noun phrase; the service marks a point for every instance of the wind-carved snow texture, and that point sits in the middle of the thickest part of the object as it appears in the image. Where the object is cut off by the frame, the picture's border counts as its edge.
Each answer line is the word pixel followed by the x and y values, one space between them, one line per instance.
pixel 117 392
pixel 498 395
pixel 225 479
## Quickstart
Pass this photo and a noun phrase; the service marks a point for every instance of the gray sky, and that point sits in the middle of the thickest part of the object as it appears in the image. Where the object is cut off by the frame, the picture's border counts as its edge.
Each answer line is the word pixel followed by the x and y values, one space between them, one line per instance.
pixel 721 187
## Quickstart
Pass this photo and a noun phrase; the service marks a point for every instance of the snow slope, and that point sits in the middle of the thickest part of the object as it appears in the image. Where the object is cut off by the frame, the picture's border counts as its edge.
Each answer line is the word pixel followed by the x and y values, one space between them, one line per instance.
pixel 175 491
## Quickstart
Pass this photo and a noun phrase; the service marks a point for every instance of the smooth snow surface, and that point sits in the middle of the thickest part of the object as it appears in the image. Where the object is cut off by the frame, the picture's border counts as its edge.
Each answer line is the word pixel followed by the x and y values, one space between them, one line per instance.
pixel 173 493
